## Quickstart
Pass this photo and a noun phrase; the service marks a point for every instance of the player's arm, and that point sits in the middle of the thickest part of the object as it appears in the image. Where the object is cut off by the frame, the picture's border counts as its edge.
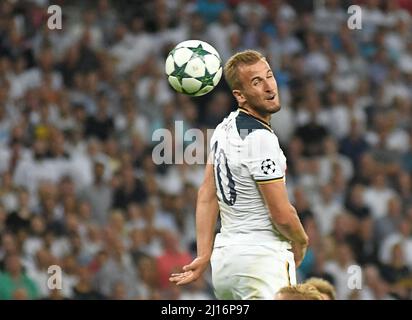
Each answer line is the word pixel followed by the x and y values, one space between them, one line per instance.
pixel 207 210
pixel 284 216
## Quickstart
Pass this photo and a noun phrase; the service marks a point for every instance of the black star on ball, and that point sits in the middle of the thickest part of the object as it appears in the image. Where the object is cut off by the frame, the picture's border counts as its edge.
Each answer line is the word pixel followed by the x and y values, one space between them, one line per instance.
pixel 268 166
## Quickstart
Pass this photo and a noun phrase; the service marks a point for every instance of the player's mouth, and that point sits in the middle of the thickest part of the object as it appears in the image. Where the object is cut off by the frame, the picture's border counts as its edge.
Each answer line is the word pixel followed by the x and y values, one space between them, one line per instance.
pixel 272 97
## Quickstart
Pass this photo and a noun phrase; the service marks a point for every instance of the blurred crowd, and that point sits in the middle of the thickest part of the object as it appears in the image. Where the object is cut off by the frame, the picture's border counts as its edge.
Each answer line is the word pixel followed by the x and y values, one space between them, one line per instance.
pixel 78 106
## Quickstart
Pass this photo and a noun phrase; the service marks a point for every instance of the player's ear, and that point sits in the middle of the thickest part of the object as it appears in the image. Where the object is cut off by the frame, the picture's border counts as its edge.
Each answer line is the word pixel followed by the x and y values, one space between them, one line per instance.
pixel 240 98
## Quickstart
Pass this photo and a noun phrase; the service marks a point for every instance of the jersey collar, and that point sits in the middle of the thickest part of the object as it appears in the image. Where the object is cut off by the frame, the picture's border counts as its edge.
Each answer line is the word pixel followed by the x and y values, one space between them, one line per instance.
pixel 266 124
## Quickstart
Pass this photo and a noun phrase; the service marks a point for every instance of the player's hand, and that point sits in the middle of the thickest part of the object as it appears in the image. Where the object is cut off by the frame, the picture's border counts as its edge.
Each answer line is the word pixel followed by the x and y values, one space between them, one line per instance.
pixel 299 252
pixel 191 272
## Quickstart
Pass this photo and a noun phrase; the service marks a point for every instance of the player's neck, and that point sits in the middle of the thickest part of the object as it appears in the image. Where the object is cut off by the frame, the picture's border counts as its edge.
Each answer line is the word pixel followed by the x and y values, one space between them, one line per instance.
pixel 263 118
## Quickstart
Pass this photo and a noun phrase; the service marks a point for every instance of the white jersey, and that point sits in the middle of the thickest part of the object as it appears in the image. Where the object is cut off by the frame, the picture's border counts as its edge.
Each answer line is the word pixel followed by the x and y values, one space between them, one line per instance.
pixel 246 153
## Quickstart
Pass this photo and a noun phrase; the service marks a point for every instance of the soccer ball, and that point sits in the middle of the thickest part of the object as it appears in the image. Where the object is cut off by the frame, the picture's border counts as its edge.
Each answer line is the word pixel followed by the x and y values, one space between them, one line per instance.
pixel 193 67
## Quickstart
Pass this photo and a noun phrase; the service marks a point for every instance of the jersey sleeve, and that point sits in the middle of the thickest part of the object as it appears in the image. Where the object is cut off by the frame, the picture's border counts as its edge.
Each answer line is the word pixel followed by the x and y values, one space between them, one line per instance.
pixel 263 161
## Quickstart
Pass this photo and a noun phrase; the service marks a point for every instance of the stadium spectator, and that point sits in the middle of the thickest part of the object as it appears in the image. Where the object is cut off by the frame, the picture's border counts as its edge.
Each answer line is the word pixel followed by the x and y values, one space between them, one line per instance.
pixel 324 287
pixel 14 283
pixel 299 292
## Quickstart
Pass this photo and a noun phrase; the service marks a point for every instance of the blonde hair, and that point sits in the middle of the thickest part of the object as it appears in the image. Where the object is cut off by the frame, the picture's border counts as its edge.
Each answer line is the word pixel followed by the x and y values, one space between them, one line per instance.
pixel 323 286
pixel 246 57
pixel 300 292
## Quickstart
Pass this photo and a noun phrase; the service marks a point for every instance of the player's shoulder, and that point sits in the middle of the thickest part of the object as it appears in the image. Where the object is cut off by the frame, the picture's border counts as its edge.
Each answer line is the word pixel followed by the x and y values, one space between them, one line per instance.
pixel 251 128
pixel 221 129
pixel 227 120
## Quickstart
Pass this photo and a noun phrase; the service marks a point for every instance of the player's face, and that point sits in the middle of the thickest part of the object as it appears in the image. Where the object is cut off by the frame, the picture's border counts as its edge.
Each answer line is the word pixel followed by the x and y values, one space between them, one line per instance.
pixel 259 88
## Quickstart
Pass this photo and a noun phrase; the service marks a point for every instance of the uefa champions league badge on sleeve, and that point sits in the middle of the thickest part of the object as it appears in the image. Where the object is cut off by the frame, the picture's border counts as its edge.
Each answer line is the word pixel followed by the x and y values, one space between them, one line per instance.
pixel 268 166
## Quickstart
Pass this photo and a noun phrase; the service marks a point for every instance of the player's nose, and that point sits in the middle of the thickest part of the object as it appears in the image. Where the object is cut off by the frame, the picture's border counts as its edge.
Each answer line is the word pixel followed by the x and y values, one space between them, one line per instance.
pixel 270 86
pixel 270 90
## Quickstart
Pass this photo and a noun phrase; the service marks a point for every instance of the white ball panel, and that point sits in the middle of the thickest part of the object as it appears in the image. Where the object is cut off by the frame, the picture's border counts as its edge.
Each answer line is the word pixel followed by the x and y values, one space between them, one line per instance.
pixel 182 55
pixel 217 77
pixel 191 85
pixel 204 91
pixel 195 68
pixel 169 65
pixel 209 48
pixel 212 63
pixel 174 82
pixel 189 44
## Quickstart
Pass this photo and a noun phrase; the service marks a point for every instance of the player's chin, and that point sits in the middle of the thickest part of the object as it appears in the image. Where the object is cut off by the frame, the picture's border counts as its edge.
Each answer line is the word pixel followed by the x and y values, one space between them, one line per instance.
pixel 273 106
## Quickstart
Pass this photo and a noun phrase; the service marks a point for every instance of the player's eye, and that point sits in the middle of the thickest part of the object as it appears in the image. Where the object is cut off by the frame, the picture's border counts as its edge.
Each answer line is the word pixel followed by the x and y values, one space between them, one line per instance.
pixel 256 82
